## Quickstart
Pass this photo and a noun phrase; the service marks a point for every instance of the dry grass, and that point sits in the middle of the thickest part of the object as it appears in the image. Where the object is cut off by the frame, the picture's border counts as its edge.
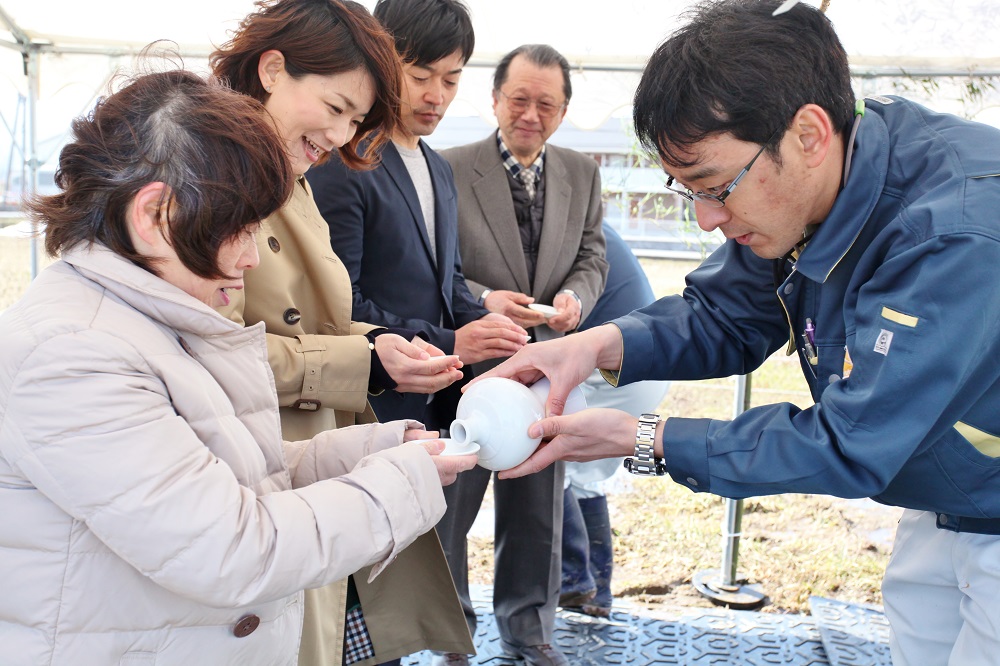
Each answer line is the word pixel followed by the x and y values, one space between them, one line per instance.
pixel 793 546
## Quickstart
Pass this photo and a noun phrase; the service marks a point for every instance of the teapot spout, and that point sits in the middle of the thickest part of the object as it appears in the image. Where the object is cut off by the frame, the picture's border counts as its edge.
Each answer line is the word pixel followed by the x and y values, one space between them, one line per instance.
pixel 463 431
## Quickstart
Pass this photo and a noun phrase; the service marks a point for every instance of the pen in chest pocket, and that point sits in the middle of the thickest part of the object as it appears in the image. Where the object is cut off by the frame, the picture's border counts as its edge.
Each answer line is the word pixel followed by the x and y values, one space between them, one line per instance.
pixel 809 342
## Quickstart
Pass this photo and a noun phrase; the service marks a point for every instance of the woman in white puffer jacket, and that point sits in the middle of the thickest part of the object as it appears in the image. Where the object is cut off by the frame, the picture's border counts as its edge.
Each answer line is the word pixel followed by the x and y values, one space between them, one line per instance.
pixel 149 510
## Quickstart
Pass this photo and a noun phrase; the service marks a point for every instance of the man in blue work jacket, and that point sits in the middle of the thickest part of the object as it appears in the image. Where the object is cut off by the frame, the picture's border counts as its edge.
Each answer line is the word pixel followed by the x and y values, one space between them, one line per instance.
pixel 866 237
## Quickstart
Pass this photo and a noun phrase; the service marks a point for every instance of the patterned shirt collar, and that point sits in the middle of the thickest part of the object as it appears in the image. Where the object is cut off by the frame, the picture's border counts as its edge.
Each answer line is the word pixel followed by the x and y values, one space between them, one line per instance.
pixel 513 166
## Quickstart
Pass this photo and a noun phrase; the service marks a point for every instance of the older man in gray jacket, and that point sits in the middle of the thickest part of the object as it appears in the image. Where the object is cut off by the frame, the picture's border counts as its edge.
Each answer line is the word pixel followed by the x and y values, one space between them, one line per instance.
pixel 530 235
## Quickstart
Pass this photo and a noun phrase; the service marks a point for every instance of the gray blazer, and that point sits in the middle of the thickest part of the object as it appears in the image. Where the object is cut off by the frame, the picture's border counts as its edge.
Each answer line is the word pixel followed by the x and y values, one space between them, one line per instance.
pixel 571 248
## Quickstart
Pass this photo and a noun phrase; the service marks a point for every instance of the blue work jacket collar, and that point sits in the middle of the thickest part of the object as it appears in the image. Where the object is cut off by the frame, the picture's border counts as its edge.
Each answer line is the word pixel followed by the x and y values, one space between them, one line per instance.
pixel 854 204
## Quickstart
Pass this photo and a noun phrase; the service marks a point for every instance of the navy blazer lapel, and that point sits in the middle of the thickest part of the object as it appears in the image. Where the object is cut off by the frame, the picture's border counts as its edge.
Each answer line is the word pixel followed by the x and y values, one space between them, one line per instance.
pixel 445 210
pixel 393 165
pixel 558 193
pixel 445 227
pixel 497 206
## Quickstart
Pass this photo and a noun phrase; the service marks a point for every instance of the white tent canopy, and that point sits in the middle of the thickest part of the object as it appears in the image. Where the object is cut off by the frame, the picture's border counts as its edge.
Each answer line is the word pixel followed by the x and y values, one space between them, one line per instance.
pixel 920 33
pixel 608 41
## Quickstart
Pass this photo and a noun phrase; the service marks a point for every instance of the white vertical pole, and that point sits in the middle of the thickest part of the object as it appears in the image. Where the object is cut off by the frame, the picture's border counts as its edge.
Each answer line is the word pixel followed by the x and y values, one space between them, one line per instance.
pixel 31 69
pixel 734 508
pixel 724 586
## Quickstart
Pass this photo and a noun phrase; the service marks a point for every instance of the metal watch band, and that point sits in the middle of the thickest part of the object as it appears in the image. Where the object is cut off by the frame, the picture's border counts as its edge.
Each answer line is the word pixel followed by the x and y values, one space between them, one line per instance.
pixel 645 463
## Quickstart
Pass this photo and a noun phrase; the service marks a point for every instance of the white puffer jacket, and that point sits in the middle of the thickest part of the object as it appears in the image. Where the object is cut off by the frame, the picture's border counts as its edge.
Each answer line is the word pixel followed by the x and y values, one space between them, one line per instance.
pixel 149 511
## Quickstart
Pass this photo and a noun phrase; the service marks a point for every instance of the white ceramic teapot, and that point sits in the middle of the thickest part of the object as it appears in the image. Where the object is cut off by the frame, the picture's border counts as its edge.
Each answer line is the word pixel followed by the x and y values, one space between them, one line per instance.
pixel 495 414
pixel 575 401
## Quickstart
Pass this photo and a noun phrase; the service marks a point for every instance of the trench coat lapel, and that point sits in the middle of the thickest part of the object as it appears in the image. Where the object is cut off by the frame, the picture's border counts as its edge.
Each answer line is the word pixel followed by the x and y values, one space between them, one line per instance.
pixel 497 205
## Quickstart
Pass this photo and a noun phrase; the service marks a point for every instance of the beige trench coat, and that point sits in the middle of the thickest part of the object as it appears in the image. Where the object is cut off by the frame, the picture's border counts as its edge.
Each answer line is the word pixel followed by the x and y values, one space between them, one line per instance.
pixel 321 362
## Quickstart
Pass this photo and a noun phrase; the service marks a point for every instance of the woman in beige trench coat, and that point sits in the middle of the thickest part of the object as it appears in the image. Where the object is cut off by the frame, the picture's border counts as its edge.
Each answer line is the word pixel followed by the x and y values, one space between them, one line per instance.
pixel 329 76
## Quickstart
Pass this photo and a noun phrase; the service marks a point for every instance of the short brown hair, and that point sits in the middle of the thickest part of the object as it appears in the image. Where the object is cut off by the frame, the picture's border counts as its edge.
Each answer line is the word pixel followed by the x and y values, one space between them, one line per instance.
pixel 321 37
pixel 224 165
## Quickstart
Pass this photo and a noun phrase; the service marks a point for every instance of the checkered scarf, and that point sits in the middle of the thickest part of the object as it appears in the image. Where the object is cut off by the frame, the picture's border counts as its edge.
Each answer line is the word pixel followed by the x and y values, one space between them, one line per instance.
pixel 357 642
pixel 513 166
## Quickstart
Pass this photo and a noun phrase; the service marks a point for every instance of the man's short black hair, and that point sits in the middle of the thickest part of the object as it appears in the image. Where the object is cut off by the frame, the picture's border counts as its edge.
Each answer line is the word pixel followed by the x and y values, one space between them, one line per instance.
pixel 427 30
pixel 540 55
pixel 737 69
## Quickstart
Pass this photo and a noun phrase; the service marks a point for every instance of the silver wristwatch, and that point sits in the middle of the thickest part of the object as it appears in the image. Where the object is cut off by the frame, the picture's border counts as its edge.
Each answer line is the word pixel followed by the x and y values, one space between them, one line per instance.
pixel 645 463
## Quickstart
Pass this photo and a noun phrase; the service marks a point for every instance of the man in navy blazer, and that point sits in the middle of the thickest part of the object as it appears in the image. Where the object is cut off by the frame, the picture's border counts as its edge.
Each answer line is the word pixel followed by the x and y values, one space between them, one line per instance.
pixel 396 228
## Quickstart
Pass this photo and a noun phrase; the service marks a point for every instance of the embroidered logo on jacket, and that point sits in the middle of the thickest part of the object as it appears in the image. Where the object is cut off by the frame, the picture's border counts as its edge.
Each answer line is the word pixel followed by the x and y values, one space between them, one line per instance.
pixel 883 342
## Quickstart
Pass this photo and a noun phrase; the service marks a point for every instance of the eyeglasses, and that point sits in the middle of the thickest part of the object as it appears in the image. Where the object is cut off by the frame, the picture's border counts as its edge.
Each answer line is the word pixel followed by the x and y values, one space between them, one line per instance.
pixel 520 104
pixel 719 200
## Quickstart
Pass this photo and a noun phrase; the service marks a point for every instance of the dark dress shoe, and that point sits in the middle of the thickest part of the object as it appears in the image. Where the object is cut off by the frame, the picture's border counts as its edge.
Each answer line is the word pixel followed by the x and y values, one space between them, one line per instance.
pixel 450 659
pixel 594 610
pixel 537 655
pixel 576 599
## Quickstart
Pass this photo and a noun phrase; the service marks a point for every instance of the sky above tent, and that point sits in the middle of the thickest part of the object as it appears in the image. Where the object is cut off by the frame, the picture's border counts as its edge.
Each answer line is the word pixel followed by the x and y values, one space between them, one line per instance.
pixel 607 42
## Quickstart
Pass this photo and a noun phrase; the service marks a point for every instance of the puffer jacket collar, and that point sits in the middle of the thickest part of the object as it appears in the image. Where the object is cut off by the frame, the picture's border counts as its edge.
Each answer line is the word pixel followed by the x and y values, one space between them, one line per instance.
pixel 155 297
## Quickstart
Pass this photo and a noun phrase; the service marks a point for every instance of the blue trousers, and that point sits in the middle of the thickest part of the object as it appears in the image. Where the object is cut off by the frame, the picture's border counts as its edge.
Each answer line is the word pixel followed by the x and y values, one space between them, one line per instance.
pixel 587 553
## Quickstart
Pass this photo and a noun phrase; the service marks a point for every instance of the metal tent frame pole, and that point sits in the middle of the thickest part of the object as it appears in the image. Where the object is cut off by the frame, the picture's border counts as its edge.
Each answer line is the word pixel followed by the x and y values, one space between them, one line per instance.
pixel 30 52
pixel 31 68
pixel 724 586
